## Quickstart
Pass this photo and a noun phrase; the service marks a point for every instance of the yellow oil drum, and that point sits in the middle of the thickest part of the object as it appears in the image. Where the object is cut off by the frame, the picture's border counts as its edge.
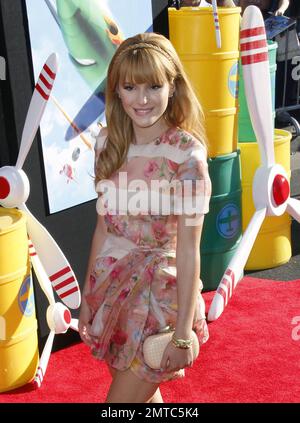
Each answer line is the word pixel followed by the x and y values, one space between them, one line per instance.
pixel 212 71
pixel 19 354
pixel 273 243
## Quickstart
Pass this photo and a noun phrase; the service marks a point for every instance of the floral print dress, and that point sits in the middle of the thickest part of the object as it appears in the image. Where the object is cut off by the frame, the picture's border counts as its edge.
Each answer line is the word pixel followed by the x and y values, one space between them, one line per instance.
pixel 132 291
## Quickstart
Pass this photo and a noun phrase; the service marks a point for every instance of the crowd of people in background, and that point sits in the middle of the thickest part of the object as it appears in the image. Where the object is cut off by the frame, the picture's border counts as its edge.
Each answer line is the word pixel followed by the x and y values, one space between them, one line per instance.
pixel 286 86
pixel 289 8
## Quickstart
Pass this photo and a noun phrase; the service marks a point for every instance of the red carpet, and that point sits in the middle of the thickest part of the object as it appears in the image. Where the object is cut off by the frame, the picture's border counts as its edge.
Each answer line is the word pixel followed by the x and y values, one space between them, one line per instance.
pixel 253 355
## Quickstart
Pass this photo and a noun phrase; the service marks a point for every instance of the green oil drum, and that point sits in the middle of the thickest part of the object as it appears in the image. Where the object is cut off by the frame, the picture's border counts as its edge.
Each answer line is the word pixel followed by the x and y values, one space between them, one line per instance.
pixel 222 229
pixel 245 130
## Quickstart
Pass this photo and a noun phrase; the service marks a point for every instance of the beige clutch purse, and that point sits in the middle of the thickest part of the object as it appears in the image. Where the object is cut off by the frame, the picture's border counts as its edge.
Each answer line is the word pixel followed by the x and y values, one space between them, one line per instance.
pixel 155 345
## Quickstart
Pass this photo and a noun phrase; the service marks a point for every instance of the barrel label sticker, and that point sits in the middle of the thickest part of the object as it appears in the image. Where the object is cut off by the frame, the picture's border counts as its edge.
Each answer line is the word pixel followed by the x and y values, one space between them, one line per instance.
pixel 233 83
pixel 26 297
pixel 228 221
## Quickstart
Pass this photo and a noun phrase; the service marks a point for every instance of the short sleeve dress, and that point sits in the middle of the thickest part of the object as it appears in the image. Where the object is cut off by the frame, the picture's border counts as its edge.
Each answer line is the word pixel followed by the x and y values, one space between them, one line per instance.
pixel 132 290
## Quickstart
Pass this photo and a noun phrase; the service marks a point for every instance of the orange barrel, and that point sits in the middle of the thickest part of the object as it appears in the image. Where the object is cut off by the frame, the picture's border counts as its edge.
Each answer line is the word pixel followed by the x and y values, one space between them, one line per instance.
pixel 273 243
pixel 19 354
pixel 212 71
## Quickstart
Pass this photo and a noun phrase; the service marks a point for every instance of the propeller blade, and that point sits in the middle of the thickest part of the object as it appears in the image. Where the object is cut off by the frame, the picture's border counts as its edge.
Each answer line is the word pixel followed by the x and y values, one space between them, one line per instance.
pixel 217 23
pixel 37 106
pixel 44 359
pixel 40 273
pixel 74 325
pixel 256 74
pixel 56 265
pixel 236 265
pixel 293 208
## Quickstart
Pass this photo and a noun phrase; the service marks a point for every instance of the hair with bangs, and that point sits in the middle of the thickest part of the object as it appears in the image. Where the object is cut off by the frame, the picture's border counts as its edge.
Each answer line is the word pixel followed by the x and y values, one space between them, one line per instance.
pixel 145 58
pixel 143 67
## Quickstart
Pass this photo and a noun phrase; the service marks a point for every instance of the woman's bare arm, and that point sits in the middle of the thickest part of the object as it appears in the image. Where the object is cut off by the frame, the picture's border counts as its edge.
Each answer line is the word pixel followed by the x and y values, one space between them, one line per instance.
pixel 188 273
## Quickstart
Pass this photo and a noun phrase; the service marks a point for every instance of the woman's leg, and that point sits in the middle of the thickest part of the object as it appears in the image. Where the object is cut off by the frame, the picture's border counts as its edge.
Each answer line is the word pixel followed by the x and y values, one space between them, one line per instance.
pixel 157 398
pixel 126 387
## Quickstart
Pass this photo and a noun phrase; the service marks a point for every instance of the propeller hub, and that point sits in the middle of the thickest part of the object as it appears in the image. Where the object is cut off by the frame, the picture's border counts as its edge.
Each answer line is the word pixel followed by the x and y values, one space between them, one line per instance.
pixel 67 317
pixel 58 317
pixel 4 188
pixel 14 186
pixel 281 189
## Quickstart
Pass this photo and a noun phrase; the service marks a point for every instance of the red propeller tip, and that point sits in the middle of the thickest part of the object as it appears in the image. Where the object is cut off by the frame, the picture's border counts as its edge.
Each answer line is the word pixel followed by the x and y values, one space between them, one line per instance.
pixel 281 189
pixel 4 188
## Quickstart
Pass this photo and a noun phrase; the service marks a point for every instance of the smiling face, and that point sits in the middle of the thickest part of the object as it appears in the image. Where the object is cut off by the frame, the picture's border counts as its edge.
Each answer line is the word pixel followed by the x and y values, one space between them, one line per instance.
pixel 145 103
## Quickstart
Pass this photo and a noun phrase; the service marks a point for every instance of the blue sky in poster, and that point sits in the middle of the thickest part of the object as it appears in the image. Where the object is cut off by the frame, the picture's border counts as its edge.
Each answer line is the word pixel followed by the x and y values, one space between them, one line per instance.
pixel 69 164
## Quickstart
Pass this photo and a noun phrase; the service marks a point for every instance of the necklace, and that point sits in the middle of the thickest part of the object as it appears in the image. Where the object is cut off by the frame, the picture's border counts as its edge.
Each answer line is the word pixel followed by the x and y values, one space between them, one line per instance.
pixel 155 140
pixel 148 142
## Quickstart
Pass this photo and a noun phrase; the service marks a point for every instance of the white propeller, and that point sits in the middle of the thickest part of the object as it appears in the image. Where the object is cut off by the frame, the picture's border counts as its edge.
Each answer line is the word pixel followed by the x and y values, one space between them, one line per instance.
pixel 271 190
pixel 14 192
pixel 58 316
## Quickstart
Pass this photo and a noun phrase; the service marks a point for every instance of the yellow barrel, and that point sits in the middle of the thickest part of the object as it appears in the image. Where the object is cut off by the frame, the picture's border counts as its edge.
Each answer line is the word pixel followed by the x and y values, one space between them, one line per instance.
pixel 18 326
pixel 273 243
pixel 212 71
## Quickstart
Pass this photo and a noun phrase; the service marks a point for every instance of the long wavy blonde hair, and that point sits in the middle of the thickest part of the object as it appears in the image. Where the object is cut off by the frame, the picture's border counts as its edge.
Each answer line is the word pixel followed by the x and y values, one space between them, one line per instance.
pixel 145 58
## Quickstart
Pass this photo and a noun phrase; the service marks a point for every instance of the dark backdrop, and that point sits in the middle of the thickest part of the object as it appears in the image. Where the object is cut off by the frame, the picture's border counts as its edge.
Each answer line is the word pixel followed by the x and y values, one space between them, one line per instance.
pixel 72 229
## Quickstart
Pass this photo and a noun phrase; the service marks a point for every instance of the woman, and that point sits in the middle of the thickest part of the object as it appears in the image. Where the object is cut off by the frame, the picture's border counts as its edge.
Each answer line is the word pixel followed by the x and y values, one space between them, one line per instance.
pixel 143 269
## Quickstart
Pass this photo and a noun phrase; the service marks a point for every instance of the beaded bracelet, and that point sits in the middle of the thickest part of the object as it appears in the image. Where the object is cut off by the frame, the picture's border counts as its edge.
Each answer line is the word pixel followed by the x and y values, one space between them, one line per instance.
pixel 182 343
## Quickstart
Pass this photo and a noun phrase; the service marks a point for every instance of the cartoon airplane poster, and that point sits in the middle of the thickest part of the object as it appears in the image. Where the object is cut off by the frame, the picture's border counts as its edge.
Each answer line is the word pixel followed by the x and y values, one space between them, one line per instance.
pixel 85 35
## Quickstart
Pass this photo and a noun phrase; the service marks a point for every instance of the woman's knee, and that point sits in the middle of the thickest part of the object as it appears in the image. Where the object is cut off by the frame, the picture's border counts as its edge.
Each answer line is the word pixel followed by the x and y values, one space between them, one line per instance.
pixel 126 387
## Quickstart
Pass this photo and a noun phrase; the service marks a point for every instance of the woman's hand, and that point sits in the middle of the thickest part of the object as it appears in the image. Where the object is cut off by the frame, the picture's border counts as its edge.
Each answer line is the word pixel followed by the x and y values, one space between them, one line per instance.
pixel 84 326
pixel 175 358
